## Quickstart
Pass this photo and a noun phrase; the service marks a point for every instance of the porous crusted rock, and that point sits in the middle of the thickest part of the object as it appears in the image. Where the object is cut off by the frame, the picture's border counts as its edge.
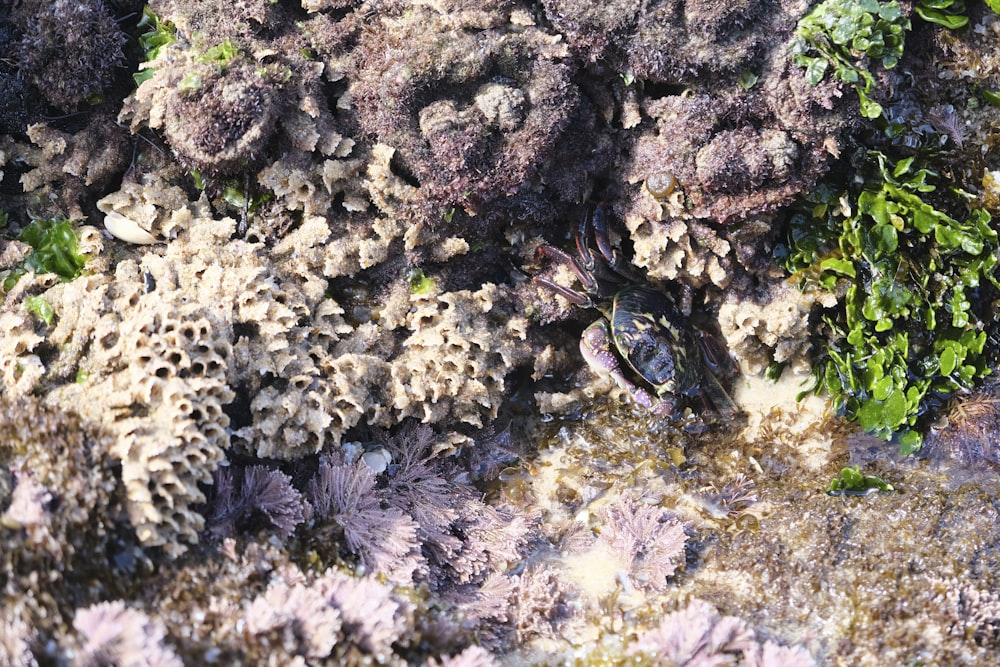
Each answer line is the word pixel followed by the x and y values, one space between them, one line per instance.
pixel 456 351
pixel 311 185
pixel 94 155
pixel 464 343
pixel 22 369
pixel 279 341
pixel 153 203
pixel 160 367
pixel 316 407
pixel 771 326
pixel 176 436
pixel 33 353
pixel 159 350
pixel 80 303
pixel 65 165
pixel 677 247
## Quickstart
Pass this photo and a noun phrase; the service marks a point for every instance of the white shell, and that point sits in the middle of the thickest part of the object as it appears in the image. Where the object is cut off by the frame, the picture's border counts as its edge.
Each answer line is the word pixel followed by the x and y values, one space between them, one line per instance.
pixel 378 460
pixel 127 230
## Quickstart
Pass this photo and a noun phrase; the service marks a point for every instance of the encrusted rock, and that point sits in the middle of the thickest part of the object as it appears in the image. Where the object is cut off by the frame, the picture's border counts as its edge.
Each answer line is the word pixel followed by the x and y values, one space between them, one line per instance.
pixel 771 327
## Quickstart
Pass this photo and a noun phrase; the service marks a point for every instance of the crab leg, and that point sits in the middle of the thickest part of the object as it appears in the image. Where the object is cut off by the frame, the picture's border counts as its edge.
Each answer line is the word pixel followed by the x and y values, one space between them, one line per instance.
pixel 717 361
pixel 582 248
pixel 600 224
pixel 596 349
pixel 572 296
pixel 718 395
pixel 586 279
pixel 614 268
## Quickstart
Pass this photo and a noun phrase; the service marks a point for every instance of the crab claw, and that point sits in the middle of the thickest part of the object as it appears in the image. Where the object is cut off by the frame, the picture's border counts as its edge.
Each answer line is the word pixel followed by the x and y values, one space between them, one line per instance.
pixel 595 346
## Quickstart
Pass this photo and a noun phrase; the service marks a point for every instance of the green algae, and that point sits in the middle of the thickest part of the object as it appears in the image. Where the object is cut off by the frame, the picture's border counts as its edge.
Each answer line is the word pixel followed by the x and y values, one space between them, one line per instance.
pixel 850 481
pixel 844 35
pixel 154 36
pixel 55 250
pixel 908 253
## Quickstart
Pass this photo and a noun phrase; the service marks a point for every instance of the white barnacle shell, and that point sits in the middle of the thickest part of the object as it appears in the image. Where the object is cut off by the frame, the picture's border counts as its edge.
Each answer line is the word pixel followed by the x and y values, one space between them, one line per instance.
pixel 127 230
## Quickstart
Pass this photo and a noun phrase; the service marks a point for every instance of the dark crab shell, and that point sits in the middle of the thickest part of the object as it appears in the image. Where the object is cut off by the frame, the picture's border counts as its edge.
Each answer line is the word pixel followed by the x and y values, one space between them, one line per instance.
pixel 649 332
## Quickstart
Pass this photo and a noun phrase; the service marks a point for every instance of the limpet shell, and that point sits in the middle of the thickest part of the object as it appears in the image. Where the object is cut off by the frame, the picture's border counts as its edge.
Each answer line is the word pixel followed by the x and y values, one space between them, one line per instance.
pixel 660 184
pixel 127 230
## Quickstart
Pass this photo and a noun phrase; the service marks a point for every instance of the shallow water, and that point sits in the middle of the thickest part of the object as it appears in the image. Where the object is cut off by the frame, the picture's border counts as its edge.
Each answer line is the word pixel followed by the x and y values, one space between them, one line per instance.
pixel 887 578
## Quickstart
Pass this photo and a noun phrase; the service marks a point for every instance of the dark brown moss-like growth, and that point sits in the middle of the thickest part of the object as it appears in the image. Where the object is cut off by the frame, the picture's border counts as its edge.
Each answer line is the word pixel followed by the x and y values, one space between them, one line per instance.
pixel 675 40
pixel 214 22
pixel 70 49
pixel 591 28
pixel 732 120
pixel 58 533
pixel 219 119
pixel 472 106
pixel 671 40
pixel 735 154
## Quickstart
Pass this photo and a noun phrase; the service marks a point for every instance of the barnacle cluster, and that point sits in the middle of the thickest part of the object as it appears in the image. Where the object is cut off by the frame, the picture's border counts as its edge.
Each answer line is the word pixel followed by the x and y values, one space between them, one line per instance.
pixel 175 431
pixel 169 363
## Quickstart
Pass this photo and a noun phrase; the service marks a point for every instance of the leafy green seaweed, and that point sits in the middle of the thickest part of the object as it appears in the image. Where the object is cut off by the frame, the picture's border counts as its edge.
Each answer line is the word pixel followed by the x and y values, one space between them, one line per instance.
pixel 908 255
pixel 155 35
pixel 41 309
pixel 55 251
pixel 843 34
pixel 220 54
pixel 852 483
pixel 949 13
pixel 419 283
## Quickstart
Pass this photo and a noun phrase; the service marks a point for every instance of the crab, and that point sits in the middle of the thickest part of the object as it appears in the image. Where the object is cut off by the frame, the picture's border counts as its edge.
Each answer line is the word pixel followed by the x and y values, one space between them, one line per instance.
pixel 642 332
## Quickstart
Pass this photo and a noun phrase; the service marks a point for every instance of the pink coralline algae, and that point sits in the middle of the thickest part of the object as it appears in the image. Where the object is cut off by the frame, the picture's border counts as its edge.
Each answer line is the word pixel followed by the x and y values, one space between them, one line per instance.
pixel 697 636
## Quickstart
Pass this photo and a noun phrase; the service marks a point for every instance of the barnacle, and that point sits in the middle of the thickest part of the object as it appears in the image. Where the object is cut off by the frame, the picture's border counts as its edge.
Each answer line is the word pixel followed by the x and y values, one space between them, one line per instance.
pixel 465 342
pixel 771 325
pixel 20 368
pixel 148 209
